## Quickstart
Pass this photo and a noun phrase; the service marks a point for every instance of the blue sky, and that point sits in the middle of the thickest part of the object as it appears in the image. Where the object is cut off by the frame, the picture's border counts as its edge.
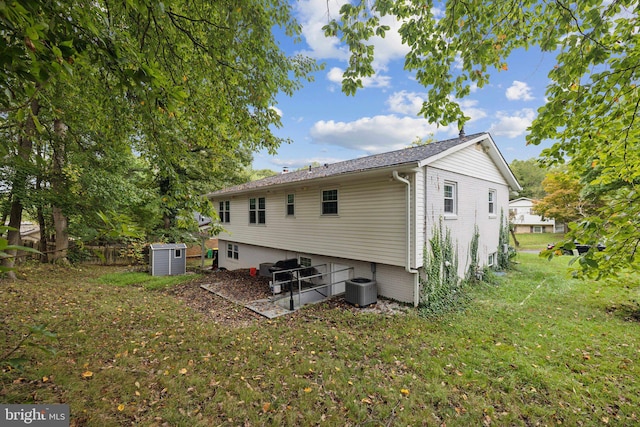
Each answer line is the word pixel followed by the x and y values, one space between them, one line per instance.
pixel 326 126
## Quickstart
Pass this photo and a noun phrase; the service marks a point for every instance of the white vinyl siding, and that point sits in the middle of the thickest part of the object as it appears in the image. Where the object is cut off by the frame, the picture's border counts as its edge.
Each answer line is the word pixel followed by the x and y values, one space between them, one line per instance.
pixel 370 226
pixel 472 210
pixel 471 161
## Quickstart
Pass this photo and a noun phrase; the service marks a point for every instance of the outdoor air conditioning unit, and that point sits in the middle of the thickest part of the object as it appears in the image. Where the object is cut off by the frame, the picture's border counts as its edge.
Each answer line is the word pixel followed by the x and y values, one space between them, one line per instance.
pixel 361 291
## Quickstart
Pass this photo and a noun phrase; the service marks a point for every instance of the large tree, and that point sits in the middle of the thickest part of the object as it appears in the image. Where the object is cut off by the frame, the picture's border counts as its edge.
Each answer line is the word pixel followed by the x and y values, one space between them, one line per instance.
pixel 565 202
pixel 188 86
pixel 530 175
pixel 592 98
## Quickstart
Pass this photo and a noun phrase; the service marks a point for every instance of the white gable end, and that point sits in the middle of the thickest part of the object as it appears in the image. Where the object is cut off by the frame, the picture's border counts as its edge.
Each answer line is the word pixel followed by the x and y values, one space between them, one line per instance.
pixel 471 161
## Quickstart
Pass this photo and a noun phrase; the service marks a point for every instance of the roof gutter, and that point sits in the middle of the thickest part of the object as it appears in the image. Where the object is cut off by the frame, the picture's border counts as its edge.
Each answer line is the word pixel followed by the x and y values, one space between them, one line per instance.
pixel 407 266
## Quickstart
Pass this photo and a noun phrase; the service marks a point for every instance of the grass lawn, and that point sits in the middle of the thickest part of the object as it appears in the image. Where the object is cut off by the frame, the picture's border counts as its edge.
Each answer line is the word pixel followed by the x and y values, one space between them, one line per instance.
pixel 535 241
pixel 537 348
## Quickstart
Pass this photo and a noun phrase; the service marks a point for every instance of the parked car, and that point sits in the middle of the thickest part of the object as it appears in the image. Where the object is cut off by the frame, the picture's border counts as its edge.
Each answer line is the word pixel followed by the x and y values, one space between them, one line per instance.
pixel 582 249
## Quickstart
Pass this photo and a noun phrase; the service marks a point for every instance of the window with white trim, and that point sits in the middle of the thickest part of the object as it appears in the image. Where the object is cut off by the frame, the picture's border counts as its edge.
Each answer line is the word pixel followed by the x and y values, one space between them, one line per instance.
pixel 329 202
pixel 492 202
pixel 450 198
pixel 291 208
pixel 491 261
pixel 232 251
pixel 177 253
pixel 224 211
pixel 257 210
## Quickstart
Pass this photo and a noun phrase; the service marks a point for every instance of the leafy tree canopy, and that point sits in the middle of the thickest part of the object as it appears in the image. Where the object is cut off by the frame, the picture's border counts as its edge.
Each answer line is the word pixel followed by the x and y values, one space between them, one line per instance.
pixel 592 98
pixel 530 174
pixel 186 87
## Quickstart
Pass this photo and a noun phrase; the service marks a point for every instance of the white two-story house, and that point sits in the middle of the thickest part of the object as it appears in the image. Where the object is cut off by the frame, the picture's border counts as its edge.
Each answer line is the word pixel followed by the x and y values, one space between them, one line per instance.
pixel 526 221
pixel 372 215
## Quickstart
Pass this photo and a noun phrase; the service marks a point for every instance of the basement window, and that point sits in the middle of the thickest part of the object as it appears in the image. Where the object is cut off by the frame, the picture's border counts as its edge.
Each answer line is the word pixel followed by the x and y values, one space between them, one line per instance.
pixel 232 251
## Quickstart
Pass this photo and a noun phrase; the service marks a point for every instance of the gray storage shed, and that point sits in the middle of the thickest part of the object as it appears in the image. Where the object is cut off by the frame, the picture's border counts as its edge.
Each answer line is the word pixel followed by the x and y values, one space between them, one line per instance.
pixel 168 259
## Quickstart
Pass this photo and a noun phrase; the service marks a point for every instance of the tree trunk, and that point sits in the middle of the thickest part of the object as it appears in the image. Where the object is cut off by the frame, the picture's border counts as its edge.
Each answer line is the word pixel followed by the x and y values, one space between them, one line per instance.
pixel 62 236
pixel 42 246
pixel 19 185
pixel 60 221
pixel 513 234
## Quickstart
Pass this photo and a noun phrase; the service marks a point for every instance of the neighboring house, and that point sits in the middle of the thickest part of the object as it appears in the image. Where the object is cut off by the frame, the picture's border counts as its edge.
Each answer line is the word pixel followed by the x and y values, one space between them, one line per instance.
pixel 29 232
pixel 373 215
pixel 525 221
pixel 206 241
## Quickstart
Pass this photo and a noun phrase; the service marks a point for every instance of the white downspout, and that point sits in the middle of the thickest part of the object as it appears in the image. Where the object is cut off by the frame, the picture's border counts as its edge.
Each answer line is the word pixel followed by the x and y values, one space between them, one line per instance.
pixel 407 267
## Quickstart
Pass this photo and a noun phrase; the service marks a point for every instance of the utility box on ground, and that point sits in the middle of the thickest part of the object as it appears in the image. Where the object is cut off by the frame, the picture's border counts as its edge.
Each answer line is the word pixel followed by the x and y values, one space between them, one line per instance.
pixel 168 259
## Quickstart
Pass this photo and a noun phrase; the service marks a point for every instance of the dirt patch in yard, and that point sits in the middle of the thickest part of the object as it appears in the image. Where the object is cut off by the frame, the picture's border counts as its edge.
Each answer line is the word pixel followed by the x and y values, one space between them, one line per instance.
pixel 238 288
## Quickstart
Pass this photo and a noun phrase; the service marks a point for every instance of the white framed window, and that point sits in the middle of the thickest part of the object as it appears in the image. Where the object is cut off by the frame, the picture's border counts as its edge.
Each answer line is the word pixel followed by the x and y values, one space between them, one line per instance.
pixel 538 229
pixel 329 202
pixel 224 212
pixel 233 251
pixel 491 260
pixel 291 204
pixel 450 198
pixel 257 210
pixel 492 202
pixel 177 253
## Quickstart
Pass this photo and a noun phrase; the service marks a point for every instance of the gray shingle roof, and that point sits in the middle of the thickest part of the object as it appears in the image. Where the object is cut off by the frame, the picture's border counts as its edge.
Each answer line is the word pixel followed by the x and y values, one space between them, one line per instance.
pixel 393 158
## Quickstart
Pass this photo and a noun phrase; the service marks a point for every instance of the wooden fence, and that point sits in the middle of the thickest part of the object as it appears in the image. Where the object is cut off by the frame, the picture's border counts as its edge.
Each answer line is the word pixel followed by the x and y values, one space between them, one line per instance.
pixel 102 255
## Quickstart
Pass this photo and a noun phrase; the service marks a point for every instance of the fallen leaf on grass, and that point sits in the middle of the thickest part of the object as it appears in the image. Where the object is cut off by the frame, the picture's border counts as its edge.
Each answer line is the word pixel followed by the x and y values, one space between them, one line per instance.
pixel 87 374
pixel 266 407
pixel 183 371
pixel 404 391
pixel 307 390
pixel 121 407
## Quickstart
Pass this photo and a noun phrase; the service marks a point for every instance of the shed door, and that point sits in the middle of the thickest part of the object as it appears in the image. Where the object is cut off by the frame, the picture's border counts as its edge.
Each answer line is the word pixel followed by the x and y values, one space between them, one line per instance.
pixel 177 261
pixel 160 263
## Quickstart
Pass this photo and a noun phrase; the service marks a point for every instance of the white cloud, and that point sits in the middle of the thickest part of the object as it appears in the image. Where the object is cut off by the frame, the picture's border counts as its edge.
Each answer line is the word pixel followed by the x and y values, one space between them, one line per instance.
pixel 403 102
pixel 374 134
pixel 410 103
pixel 519 91
pixel 314 14
pixel 514 125
pixel 277 110
pixel 335 76
pixel 470 108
